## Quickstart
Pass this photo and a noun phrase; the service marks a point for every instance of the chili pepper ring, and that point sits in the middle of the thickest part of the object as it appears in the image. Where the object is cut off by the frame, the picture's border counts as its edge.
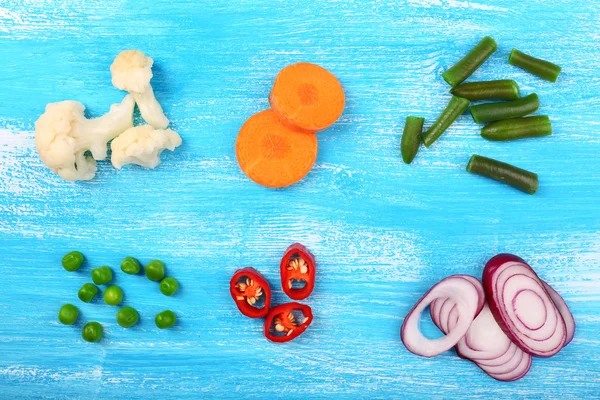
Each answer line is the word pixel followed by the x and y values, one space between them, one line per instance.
pixel 247 288
pixel 297 265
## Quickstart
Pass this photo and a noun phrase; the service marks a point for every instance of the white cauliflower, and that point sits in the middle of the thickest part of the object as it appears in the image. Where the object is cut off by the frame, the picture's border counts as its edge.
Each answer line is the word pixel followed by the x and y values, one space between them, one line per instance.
pixel 63 135
pixel 142 145
pixel 131 71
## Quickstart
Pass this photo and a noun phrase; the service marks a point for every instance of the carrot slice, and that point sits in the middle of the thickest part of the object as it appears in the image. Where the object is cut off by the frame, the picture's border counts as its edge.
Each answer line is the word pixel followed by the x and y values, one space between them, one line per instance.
pixel 273 154
pixel 307 96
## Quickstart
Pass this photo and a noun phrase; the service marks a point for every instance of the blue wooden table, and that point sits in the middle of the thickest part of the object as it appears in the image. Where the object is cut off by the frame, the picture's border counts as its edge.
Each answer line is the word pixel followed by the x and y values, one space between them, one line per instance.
pixel 382 232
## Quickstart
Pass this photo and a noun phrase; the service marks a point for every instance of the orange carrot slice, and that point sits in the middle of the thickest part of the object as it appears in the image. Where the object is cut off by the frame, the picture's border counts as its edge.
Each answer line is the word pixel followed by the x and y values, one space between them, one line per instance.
pixel 273 154
pixel 307 96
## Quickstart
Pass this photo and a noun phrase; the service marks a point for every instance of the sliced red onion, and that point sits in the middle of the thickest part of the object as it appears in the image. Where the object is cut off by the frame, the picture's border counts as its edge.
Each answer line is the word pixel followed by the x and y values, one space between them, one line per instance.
pixel 562 307
pixel 522 307
pixel 466 298
pixel 489 348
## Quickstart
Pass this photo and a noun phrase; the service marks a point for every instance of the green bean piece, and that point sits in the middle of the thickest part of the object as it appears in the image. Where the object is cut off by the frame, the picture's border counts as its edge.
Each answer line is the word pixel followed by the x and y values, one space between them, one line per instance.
pixel 503 89
pixel 536 66
pixel 102 275
pixel 87 292
pixel 113 295
pixel 92 332
pixel 165 319
pixel 469 63
pixel 505 173
pixel 489 112
pixel 130 266
pixel 155 270
pixel 168 286
pixel 455 107
pixel 518 128
pixel 127 317
pixel 68 314
pixel 411 138
pixel 72 261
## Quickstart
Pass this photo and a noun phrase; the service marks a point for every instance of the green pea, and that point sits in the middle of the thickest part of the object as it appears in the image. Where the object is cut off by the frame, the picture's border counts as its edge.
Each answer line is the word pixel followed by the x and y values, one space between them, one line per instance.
pixel 127 317
pixel 113 295
pixel 165 319
pixel 92 332
pixel 102 275
pixel 87 292
pixel 130 265
pixel 155 270
pixel 168 286
pixel 68 314
pixel 72 261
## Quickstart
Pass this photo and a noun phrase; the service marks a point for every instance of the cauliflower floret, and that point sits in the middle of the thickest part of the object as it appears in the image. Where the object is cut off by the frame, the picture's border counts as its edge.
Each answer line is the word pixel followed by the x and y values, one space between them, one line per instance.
pixel 131 71
pixel 63 135
pixel 142 145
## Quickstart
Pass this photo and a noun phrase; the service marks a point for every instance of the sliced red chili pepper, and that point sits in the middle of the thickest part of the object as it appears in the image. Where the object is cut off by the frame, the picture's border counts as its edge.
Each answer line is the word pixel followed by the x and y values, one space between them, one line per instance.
pixel 298 265
pixel 282 325
pixel 249 289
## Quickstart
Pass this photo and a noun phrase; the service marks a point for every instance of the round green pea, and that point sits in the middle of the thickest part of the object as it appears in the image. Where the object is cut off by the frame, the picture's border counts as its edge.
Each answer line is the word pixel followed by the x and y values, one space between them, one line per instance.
pixel 127 317
pixel 92 332
pixel 165 319
pixel 130 266
pixel 102 275
pixel 168 286
pixel 87 292
pixel 72 261
pixel 113 295
pixel 68 314
pixel 155 270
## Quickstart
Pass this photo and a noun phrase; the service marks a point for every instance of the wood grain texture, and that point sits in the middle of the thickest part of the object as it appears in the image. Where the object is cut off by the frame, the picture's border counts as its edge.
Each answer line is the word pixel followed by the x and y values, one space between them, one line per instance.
pixel 382 232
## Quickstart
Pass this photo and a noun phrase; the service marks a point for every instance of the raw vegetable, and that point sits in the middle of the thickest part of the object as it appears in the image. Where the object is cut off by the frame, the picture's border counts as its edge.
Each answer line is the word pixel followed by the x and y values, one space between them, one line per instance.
pixel 467 299
pixel 411 138
pixel 504 89
pixel 102 275
pixel 130 266
pixel 455 107
pixel 131 71
pixel 68 314
pixel 165 319
pixel 307 96
pixel 142 145
pixel 251 292
pixel 297 267
pixel 155 270
pixel 502 172
pixel 562 307
pixel 87 292
pixel 92 332
pixel 63 135
pixel 168 286
pixel 468 64
pixel 113 295
pixel 489 112
pixel 518 128
pixel 522 306
pixel 72 261
pixel 272 154
pixel 542 68
pixel 127 317
pixel 287 321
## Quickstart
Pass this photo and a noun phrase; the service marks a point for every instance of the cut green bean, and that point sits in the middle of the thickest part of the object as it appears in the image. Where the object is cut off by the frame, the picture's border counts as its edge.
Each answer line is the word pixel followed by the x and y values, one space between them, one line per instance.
pixel 536 66
pixel 518 128
pixel 505 173
pixel 411 138
pixel 455 107
pixel 465 67
pixel 489 112
pixel 504 89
